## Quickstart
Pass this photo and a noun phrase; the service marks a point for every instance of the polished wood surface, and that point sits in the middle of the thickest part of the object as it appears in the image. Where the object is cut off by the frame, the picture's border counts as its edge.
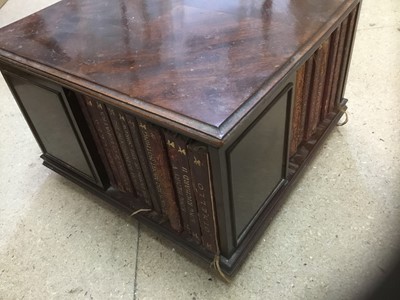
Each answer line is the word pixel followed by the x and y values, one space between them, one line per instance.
pixel 202 64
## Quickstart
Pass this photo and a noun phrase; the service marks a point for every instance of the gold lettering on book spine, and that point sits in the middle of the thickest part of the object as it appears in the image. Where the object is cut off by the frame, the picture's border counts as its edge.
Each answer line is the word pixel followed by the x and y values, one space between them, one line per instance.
pixel 171 144
pixel 182 151
pixel 197 162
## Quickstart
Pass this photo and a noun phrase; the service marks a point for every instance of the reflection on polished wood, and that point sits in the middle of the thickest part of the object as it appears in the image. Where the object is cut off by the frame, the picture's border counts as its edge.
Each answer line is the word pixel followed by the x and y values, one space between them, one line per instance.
pixel 199 61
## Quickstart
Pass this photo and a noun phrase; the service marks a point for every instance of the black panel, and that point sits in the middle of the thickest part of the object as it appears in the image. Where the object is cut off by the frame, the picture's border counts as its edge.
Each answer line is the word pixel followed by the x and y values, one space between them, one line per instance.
pixel 257 163
pixel 46 112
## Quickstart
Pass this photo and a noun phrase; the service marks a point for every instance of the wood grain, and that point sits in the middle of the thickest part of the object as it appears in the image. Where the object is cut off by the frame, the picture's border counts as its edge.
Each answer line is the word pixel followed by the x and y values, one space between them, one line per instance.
pixel 203 64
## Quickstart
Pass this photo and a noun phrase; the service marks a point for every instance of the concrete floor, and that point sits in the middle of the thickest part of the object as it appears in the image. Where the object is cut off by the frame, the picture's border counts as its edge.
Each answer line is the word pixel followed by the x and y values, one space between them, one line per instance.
pixel 337 233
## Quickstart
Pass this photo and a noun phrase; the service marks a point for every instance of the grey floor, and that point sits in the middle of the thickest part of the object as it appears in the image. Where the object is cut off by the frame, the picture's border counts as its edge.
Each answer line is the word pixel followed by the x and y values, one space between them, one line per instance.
pixel 336 234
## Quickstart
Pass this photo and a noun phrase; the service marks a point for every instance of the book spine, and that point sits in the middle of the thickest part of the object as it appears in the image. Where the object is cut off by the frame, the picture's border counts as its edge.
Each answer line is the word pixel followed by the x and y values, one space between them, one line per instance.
pixel 338 66
pixel 330 73
pixel 177 152
pixel 129 154
pixel 120 172
pixel 202 186
pixel 143 190
pixel 121 168
pixel 324 56
pixel 158 162
pixel 297 107
pixel 97 140
pixel 351 22
pixel 137 142
pixel 91 105
pixel 306 97
pixel 315 104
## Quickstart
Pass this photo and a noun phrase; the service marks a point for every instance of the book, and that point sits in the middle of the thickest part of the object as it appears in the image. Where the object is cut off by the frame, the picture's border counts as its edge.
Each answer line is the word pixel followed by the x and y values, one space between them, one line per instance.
pixel 94 116
pixel 338 67
pixel 334 43
pixel 178 158
pixel 297 110
pixel 97 140
pixel 317 90
pixel 103 126
pixel 324 54
pixel 202 185
pixel 306 98
pixel 137 141
pixel 157 159
pixel 129 154
pixel 351 22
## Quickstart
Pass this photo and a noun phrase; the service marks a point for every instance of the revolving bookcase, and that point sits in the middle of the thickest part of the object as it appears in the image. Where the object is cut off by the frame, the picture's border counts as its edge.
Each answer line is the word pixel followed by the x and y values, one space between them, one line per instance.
pixel 195 116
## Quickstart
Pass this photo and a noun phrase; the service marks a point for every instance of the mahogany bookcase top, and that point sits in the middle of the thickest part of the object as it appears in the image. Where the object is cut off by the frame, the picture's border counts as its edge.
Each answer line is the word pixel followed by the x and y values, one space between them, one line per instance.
pixel 202 65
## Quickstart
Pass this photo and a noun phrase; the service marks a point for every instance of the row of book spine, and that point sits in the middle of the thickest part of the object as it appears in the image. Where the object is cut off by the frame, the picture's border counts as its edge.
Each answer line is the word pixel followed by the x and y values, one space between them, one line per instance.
pixel 155 169
pixel 319 83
